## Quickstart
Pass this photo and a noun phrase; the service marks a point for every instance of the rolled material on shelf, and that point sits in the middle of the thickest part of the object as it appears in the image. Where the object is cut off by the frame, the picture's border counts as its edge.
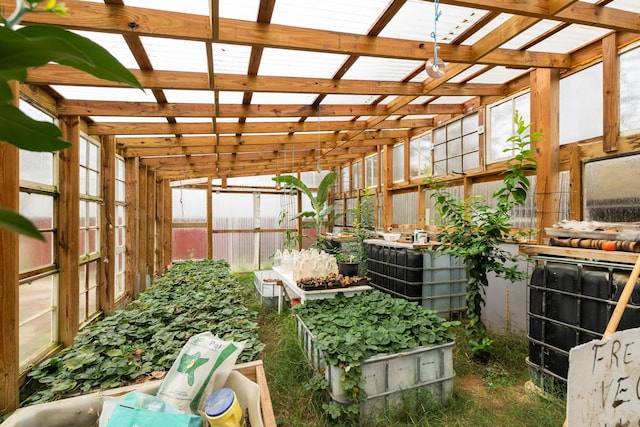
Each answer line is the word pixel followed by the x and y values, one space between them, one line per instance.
pixel 620 245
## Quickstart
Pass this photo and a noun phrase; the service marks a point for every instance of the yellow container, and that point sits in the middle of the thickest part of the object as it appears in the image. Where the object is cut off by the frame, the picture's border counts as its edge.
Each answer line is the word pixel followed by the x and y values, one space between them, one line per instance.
pixel 222 409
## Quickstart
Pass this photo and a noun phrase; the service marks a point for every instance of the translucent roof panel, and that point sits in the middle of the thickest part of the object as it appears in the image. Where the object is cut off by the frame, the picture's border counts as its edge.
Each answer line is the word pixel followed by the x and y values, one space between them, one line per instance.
pixel 452 99
pixel 283 98
pixel 484 31
pixel 532 33
pixel 467 73
pixel 569 39
pixel 198 7
pixel 115 44
pixel 629 5
pixel 226 97
pixel 381 69
pixel 298 63
pixel 105 93
pixel 189 96
pixel 415 21
pixel 498 75
pixel 230 59
pixel 348 99
pixel 176 55
pixel 239 9
pixel 354 16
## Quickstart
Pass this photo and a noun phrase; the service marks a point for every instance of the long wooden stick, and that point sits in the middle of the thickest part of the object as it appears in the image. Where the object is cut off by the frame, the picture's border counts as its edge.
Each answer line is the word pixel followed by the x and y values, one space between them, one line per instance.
pixel 625 296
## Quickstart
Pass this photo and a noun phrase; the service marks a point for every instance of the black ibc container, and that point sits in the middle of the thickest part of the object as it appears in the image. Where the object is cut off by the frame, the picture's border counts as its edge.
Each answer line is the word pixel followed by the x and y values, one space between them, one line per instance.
pixel 570 303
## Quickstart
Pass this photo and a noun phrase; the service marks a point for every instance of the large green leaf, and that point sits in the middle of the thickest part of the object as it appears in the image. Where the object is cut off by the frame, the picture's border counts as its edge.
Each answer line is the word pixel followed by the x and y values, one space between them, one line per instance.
pixel 80 53
pixel 24 132
pixel 292 181
pixel 19 224
pixel 325 186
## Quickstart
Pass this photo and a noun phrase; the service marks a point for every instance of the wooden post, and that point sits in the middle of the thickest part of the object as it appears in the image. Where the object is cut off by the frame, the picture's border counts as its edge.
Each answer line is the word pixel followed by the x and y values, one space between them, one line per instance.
pixel 9 276
pixel 142 227
pixel 132 276
pixel 106 291
pixel 611 93
pixel 575 184
pixel 151 223
pixel 168 212
pixel 545 106
pixel 209 210
pixel 159 219
pixel 69 231
pixel 387 178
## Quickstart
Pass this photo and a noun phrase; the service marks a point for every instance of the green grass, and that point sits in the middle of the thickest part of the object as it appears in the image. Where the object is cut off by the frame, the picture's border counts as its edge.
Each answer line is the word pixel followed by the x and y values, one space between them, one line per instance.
pixel 485 394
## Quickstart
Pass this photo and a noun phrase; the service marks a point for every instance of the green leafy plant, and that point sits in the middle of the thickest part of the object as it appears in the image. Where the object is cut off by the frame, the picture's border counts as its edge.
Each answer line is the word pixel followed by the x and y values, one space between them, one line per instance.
pixel 33 46
pixel 145 339
pixel 291 237
pixel 350 330
pixel 321 211
pixel 474 230
pixel 364 217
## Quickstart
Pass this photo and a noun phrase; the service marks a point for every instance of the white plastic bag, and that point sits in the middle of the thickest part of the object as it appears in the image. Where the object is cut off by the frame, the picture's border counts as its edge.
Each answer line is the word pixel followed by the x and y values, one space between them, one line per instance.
pixel 202 366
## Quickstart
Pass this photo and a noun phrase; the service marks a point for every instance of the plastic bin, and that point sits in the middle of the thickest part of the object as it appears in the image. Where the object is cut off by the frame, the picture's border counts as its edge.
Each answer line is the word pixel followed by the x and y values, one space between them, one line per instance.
pixel 388 375
pixel 570 303
pixel 269 291
pixel 437 281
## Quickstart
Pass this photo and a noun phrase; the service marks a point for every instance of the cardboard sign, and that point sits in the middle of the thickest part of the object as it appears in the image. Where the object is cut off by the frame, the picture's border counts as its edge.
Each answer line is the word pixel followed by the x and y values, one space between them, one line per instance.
pixel 604 382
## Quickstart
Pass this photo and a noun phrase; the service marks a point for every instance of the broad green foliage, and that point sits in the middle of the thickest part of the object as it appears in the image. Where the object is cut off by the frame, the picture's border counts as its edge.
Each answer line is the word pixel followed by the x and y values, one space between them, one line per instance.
pixel 193 297
pixel 350 330
pixel 321 211
pixel 33 46
pixel 474 230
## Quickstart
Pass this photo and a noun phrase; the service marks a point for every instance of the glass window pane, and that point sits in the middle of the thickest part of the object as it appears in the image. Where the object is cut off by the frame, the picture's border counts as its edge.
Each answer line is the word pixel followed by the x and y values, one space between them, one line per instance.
pixel 38 208
pixel 630 90
pixel 581 116
pixel 611 191
pixel 454 165
pixel 190 243
pixel 189 205
pixel 398 163
pixel 414 157
pixel 454 147
pixel 94 183
pixel 344 178
pixel 470 143
pixel 454 130
pixel 440 152
pixel 37 316
pixel 94 156
pixel 34 254
pixel 440 168
pixel 501 128
pixel 470 161
pixel 439 135
pixel 470 124
pixel 36 167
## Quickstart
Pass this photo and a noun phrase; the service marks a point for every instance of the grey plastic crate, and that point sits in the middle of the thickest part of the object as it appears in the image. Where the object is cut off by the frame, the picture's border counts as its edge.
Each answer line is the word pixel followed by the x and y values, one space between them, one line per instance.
pixel 387 376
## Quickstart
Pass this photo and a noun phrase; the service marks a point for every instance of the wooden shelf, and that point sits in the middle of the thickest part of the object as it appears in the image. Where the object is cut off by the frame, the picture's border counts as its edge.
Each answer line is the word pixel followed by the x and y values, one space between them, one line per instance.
pixel 578 253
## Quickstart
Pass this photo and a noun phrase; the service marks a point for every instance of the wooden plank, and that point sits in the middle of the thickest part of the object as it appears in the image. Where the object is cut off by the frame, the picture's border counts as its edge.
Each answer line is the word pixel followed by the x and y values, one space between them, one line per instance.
pixel 127 128
pixel 132 279
pixel 151 224
pixel 142 228
pixel 209 210
pixel 545 101
pixel 90 16
pixel 578 253
pixel 167 244
pixel 575 185
pixel 611 94
pixel 159 228
pixel 152 109
pixel 69 231
pixel 106 290
pixel 387 178
pixel 9 276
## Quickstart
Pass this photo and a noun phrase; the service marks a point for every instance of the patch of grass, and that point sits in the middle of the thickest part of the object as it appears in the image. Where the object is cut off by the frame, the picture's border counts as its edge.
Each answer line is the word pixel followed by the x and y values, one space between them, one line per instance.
pixel 485 394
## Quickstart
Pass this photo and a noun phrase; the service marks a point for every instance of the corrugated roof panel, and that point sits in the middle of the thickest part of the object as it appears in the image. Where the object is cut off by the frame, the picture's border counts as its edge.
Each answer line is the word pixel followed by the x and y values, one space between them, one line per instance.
pixel 415 21
pixel 176 55
pixel 105 93
pixel 230 58
pixel 281 62
pixel 239 9
pixel 569 39
pixel 189 96
pixel 199 7
pixel 354 16
pixel 282 98
pixel 498 75
pixel 381 69
pixel 115 44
